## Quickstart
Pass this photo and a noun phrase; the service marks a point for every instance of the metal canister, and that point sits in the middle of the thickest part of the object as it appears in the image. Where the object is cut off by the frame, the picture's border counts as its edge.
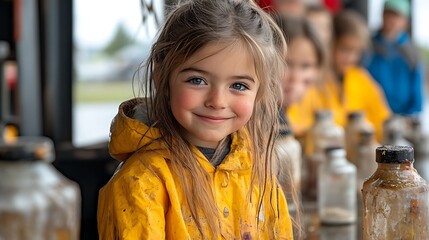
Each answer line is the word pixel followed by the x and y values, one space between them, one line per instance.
pixel 36 200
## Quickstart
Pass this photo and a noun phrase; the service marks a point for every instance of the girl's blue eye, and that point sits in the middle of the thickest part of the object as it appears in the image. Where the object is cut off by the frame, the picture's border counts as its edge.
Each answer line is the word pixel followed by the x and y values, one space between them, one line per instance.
pixel 239 86
pixel 196 81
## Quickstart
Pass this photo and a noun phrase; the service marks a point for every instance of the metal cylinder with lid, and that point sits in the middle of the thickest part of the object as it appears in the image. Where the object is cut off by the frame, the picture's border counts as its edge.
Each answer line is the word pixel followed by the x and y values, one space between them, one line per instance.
pixel 36 201
pixel 395 198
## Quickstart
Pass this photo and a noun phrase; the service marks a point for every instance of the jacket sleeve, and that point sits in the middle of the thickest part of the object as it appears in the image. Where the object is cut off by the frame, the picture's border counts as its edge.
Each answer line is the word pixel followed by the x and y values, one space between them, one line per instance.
pixel 132 206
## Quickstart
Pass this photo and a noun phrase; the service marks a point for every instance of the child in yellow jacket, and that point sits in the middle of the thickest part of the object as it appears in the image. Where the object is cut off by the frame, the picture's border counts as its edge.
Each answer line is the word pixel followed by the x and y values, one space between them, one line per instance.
pixel 196 152
pixel 350 87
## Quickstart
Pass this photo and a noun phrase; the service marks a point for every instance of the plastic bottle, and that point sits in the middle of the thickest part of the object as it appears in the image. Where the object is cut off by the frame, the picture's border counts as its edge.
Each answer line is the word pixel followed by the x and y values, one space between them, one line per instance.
pixel 395 198
pixel 356 123
pixel 36 201
pixel 323 134
pixel 337 189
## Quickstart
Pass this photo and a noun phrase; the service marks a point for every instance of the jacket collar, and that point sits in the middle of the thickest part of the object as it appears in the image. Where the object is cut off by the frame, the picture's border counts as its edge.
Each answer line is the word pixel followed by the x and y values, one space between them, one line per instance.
pixel 238 159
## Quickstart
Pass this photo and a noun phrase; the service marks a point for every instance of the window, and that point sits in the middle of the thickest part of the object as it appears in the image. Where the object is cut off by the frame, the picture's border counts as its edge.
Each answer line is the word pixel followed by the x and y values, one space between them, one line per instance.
pixel 111 40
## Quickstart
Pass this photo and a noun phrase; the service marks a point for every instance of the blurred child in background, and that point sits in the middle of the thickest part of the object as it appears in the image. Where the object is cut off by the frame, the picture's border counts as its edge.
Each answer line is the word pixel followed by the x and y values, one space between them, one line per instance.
pixel 305 57
pixel 350 87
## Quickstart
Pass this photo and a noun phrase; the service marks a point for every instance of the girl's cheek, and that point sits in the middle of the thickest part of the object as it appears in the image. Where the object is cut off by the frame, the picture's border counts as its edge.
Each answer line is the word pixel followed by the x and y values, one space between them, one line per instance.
pixel 184 98
pixel 244 108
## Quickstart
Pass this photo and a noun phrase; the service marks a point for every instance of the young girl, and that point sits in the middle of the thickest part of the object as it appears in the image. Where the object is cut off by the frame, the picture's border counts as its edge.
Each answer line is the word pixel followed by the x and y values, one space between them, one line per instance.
pixel 197 151
pixel 350 88
pixel 305 58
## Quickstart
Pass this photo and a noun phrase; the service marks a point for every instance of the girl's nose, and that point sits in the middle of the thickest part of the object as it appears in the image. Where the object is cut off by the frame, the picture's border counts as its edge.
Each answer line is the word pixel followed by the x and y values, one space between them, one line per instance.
pixel 216 99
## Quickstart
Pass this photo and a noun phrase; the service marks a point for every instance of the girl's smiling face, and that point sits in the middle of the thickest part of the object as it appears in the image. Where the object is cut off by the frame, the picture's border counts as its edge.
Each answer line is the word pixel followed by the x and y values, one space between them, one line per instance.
pixel 212 94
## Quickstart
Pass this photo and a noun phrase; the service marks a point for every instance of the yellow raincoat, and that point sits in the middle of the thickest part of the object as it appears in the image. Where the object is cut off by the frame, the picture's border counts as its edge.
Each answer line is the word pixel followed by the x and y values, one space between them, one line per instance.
pixel 359 92
pixel 143 200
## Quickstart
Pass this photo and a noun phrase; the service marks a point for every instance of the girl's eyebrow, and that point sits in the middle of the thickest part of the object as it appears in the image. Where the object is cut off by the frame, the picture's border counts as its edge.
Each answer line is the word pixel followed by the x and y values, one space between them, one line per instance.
pixel 194 69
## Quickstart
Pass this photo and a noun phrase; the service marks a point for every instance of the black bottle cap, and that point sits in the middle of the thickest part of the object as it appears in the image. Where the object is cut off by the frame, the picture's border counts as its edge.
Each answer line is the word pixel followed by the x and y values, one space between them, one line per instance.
pixel 323 114
pixel 394 154
pixel 366 133
pixel 355 115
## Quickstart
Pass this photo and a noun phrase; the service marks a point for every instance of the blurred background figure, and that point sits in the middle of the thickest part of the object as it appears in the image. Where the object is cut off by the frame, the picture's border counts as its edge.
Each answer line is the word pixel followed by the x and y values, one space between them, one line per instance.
pixel 349 87
pixel 304 58
pixel 394 62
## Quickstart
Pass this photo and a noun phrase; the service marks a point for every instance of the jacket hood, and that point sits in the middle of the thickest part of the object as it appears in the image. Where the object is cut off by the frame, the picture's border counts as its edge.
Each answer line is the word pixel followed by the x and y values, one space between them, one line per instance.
pixel 130 130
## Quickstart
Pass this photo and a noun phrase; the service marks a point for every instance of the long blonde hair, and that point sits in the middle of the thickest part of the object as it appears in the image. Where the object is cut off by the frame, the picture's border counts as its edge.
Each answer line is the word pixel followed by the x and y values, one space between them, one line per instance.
pixel 190 26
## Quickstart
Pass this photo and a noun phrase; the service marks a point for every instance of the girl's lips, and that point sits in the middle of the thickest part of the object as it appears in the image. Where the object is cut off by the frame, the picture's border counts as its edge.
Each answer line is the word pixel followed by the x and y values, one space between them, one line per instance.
pixel 214 119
